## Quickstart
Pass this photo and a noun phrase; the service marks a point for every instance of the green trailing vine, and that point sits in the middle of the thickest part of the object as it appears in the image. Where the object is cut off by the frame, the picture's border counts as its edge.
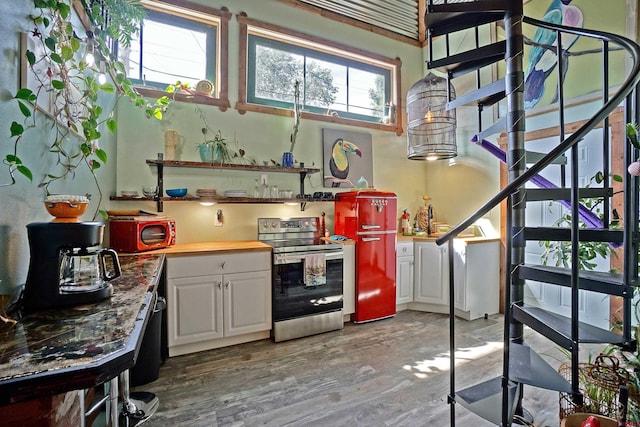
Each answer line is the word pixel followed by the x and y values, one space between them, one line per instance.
pixel 66 80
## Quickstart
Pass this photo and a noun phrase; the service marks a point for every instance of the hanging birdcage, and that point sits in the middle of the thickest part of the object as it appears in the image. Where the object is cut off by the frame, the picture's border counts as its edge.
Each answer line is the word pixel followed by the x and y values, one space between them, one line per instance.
pixel 431 128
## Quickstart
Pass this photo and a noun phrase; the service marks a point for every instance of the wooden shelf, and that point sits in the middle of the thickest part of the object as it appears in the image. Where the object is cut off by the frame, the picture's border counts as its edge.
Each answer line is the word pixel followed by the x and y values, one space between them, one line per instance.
pixel 190 198
pixel 231 166
pixel 161 164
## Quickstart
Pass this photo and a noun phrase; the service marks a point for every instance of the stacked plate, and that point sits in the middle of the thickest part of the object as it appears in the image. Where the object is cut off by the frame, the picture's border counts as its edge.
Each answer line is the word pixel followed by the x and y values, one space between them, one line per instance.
pixel 206 192
pixel 235 193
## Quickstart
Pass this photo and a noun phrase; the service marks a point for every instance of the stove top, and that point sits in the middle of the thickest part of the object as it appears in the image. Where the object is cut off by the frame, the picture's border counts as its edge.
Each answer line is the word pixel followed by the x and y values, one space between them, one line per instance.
pixel 302 245
pixel 286 235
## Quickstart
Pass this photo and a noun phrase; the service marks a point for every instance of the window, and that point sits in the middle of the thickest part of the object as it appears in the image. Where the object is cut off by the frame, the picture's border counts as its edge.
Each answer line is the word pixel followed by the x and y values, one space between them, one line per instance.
pixel 337 83
pixel 169 48
pixel 179 41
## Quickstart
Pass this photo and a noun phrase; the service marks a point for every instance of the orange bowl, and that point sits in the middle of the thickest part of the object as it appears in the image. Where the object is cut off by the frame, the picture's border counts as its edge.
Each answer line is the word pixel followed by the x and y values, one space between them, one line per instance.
pixel 66 210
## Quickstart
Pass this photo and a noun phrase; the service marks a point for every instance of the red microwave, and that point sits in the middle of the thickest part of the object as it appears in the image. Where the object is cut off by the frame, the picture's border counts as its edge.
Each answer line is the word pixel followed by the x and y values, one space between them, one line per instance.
pixel 137 234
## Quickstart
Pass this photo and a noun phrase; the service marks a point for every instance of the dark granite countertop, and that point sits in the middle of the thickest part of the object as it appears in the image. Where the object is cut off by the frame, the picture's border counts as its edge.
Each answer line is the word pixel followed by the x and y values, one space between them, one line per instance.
pixel 58 350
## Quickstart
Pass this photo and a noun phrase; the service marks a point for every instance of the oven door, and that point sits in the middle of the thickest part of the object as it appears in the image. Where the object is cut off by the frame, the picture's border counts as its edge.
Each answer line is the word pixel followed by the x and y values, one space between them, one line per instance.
pixel 292 298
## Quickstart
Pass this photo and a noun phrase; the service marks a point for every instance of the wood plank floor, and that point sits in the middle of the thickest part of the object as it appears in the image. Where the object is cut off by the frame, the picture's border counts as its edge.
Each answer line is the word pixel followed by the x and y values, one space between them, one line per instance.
pixel 392 372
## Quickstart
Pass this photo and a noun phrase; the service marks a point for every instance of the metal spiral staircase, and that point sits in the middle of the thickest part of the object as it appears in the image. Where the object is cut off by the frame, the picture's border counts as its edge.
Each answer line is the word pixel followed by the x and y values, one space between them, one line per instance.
pixel 499 399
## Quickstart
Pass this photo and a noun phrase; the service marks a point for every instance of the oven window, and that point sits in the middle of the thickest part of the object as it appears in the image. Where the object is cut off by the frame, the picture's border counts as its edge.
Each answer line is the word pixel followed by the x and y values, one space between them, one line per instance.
pixel 153 234
pixel 291 298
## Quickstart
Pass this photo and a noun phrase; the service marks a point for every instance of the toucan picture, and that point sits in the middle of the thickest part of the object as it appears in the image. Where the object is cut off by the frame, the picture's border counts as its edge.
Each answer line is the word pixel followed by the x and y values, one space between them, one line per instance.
pixel 339 161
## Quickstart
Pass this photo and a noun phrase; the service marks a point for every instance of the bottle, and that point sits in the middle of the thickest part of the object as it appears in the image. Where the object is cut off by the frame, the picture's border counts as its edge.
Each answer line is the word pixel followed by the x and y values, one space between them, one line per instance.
pixel 406 227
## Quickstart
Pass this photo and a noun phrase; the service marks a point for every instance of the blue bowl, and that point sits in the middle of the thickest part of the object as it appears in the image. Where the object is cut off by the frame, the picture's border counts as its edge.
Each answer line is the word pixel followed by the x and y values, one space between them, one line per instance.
pixel 177 192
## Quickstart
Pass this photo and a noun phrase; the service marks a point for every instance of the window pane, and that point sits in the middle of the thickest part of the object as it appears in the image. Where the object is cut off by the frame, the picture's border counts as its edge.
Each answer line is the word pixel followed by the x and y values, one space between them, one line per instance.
pixel 169 53
pixel 366 93
pixel 276 72
pixel 326 85
pixel 330 83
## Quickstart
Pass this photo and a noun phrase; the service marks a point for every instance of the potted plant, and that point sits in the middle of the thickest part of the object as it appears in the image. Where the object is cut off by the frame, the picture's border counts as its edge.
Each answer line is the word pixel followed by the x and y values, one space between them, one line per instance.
pixel 214 150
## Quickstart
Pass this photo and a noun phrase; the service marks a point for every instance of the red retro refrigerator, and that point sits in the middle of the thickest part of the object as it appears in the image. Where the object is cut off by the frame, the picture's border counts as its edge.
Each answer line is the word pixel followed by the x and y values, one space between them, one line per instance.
pixel 369 218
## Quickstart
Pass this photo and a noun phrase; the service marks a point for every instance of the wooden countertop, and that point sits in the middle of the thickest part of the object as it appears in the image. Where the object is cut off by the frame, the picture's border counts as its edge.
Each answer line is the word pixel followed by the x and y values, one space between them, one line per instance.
pixel 433 237
pixel 63 349
pixel 199 247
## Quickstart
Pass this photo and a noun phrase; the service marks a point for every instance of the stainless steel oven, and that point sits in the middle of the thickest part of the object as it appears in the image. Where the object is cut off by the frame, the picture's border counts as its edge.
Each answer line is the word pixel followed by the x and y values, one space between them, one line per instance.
pixel 303 306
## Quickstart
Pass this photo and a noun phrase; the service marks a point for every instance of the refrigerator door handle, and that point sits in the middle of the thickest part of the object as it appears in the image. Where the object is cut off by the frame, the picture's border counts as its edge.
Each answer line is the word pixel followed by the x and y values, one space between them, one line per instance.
pixel 370 239
pixel 370 227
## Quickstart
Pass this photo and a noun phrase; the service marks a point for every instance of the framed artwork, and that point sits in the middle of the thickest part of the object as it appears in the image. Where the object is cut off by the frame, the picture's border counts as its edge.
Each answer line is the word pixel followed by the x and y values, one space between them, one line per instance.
pixel 582 78
pixel 347 158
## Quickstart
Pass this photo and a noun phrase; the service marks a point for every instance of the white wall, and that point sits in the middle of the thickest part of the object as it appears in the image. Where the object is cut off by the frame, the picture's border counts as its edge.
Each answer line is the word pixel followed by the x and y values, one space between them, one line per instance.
pixel 264 137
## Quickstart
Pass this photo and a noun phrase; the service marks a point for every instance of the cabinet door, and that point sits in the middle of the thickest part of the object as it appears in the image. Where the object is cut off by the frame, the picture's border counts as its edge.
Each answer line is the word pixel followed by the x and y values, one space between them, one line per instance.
pixel 460 275
pixel 431 273
pixel 247 306
pixel 194 311
pixel 404 280
pixel 404 272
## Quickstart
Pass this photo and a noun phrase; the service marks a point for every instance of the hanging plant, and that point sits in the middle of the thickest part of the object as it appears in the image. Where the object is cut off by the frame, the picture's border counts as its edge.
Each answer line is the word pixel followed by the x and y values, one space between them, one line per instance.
pixel 68 74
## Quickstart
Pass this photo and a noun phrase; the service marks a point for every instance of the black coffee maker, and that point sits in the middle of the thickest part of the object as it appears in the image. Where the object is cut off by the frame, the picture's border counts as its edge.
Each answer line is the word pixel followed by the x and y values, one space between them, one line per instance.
pixel 67 265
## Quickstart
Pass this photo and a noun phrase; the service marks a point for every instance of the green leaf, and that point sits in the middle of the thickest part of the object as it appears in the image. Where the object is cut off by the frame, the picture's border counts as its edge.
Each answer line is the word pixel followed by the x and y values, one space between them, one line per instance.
pixel 50 42
pixel 75 44
pixel 58 84
pixel 67 52
pixel 64 9
pixel 120 67
pixel 599 176
pixel 616 178
pixel 108 88
pixel 56 58
pixel 11 159
pixel 25 171
pixel 25 94
pixel 632 135
pixel 31 57
pixel 95 165
pixel 26 111
pixel 45 21
pixel 102 155
pixel 16 129
pixel 112 125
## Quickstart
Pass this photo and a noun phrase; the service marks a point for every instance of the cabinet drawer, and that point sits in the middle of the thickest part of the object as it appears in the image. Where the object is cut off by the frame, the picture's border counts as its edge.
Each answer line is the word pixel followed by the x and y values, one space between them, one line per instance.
pixel 404 248
pixel 208 264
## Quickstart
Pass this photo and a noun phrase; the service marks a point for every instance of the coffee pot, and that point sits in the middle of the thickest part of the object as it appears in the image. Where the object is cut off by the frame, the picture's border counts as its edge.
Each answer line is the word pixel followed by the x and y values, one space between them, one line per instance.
pixel 83 270
pixel 68 265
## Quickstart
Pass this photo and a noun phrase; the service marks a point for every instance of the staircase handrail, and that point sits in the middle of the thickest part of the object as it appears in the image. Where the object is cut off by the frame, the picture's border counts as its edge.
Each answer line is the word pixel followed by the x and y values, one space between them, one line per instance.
pixel 625 89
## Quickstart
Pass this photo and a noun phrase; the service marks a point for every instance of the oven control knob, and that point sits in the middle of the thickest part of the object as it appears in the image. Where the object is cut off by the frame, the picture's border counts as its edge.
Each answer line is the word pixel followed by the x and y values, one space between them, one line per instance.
pixel 274 224
pixel 306 223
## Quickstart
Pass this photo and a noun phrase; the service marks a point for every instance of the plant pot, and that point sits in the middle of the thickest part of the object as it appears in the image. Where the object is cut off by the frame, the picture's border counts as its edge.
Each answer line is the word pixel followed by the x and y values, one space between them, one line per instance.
pixel 576 420
pixel 206 153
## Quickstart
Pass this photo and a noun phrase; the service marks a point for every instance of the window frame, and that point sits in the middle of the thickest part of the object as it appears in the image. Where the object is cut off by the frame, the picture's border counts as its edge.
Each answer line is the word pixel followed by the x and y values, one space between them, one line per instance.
pixel 249 26
pixel 191 11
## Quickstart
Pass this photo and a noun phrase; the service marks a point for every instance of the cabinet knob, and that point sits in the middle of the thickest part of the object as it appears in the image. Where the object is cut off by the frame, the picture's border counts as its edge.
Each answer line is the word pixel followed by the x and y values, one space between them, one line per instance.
pixel 226 285
pixel 219 285
pixel 223 263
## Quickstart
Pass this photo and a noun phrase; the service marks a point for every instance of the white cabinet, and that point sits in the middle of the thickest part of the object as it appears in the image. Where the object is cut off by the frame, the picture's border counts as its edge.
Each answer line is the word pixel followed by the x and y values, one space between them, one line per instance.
pixel 404 272
pixel 476 278
pixel 431 275
pixel 349 280
pixel 215 300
